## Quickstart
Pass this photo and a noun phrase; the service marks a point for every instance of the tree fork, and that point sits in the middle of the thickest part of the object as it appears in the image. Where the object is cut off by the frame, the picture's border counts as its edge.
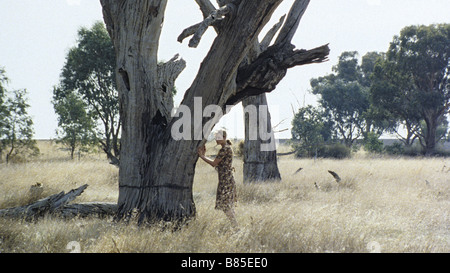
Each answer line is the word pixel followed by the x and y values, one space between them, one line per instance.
pixel 150 157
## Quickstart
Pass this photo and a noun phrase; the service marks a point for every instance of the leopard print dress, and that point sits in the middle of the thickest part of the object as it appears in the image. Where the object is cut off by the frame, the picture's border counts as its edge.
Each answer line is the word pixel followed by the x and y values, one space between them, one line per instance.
pixel 226 189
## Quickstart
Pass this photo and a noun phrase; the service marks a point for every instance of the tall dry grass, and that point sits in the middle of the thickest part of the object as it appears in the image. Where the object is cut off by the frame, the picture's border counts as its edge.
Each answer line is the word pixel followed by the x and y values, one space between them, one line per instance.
pixel 382 204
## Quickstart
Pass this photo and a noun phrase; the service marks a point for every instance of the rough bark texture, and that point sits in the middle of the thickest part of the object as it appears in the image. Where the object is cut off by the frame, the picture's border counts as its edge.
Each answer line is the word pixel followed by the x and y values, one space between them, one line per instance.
pixel 156 172
pixel 259 165
pixel 97 209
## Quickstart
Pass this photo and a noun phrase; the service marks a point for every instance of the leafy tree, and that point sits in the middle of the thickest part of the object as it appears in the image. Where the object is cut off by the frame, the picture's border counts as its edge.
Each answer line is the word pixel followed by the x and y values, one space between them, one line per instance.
pixel 17 133
pixel 89 73
pixel 310 128
pixel 344 95
pixel 76 127
pixel 368 63
pixel 392 95
pixel 414 80
pixel 372 143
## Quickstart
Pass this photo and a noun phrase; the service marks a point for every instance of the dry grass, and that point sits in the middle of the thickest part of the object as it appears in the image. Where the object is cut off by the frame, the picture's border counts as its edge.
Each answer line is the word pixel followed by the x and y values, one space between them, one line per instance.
pixel 380 201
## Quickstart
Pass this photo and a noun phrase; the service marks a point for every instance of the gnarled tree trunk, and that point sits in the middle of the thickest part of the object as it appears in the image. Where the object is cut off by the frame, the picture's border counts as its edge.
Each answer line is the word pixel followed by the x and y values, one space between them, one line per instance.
pixel 260 154
pixel 260 161
pixel 156 170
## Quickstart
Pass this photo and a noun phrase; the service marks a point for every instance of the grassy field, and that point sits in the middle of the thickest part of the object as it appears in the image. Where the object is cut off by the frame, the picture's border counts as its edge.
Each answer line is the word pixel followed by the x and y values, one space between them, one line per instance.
pixel 381 204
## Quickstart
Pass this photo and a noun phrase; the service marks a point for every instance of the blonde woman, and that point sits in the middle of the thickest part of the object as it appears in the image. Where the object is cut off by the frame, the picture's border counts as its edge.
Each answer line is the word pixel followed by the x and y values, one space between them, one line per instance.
pixel 226 189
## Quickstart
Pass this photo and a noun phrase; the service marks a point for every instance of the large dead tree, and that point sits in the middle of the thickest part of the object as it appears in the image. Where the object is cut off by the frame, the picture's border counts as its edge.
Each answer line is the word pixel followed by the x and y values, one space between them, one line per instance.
pixel 156 171
pixel 260 164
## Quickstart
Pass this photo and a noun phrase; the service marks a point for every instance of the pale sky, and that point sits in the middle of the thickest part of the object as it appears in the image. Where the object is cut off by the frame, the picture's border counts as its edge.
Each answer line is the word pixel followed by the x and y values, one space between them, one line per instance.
pixel 35 36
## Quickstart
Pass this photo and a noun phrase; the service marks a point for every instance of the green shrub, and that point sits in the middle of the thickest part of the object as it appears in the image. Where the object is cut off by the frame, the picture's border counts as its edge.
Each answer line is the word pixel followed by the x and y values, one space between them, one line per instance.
pixel 415 150
pixel 396 148
pixel 372 143
pixel 336 150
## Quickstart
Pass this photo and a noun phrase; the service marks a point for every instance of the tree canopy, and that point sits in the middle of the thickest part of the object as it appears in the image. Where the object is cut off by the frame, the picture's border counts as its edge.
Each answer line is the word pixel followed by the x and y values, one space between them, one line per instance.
pixel 76 126
pixel 16 130
pixel 412 84
pixel 89 73
pixel 344 96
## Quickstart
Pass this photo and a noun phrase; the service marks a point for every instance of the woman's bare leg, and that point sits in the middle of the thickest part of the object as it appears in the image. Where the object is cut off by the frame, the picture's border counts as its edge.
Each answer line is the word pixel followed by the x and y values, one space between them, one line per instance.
pixel 231 216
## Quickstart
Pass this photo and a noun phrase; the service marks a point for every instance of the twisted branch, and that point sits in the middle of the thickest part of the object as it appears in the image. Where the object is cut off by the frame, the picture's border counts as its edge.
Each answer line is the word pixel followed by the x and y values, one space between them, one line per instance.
pixel 197 30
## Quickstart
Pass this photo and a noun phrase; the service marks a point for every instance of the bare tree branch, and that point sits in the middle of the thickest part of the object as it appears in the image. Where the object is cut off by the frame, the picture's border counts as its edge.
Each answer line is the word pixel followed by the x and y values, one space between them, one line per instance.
pixel 214 17
pixel 263 73
pixel 193 29
pixel 270 67
pixel 172 69
pixel 270 34
pixel 292 22
pixel 302 57
pixel 206 7
pixel 222 3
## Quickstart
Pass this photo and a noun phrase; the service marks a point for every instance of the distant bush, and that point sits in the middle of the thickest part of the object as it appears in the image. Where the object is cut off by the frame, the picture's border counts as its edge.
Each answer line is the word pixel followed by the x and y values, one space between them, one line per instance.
pixel 400 149
pixel 336 150
pixel 414 150
pixel 372 143
pixel 396 148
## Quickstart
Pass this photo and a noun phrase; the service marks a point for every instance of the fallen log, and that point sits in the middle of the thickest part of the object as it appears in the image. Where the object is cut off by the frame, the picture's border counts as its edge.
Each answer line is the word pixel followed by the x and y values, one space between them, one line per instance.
pixel 99 209
pixel 57 204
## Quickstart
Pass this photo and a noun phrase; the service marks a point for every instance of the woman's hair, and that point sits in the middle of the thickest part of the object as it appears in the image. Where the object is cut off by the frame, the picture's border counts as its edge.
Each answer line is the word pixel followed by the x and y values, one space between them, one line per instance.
pixel 223 133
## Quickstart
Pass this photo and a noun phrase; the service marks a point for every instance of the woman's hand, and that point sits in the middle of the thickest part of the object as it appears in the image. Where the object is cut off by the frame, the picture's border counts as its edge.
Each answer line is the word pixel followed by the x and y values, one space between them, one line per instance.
pixel 201 151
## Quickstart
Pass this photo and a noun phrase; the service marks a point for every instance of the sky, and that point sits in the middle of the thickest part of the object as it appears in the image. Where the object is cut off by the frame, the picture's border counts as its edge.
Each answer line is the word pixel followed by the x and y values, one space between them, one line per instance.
pixel 36 35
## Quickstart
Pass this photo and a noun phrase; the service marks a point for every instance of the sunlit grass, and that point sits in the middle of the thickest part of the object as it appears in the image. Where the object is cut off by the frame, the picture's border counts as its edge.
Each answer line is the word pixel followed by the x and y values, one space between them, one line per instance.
pixel 400 205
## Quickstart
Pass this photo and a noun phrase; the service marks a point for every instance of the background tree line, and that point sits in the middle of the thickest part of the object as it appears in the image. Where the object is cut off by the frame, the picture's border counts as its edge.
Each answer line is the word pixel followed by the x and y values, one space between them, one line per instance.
pixel 404 91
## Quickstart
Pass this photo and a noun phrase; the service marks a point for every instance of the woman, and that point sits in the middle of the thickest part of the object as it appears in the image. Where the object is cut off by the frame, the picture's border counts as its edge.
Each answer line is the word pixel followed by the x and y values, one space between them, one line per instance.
pixel 226 190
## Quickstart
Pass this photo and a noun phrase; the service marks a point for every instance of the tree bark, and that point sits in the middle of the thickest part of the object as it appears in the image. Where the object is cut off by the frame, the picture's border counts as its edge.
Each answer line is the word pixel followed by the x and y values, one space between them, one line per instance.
pixel 259 164
pixel 156 171
pixel 430 135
